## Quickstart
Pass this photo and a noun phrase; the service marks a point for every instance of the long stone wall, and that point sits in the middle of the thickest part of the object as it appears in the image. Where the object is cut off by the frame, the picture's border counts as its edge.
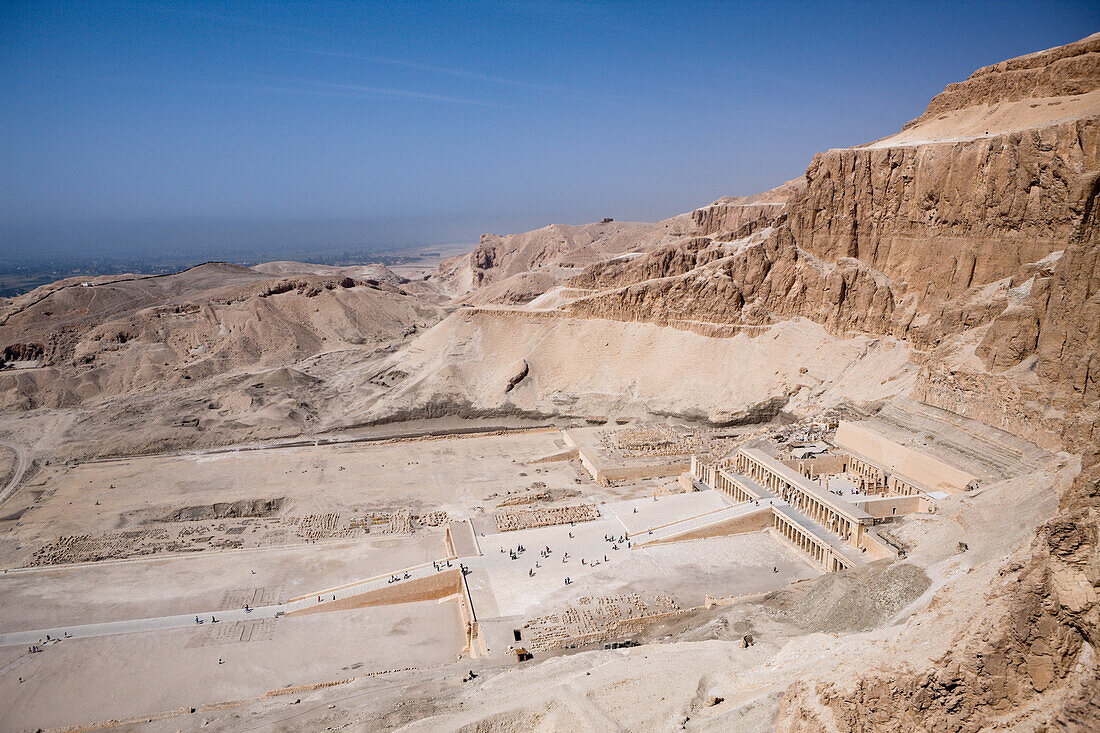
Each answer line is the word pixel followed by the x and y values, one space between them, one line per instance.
pixel 902 459
pixel 892 506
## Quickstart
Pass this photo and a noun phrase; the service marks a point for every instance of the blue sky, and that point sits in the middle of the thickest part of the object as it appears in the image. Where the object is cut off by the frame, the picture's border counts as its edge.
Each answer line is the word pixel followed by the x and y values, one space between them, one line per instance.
pixel 416 122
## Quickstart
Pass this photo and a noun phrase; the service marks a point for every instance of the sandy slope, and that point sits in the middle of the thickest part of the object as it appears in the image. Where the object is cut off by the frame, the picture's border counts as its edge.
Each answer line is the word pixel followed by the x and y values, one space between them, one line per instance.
pixel 590 367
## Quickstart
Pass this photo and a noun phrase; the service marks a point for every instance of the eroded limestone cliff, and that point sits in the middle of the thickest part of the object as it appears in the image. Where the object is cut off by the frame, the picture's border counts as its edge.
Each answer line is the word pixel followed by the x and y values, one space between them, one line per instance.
pixel 974 236
pixel 1030 661
pixel 918 242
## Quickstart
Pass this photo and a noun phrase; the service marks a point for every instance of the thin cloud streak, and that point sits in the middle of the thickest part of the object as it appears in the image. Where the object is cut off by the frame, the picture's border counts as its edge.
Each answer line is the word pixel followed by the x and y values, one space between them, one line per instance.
pixel 405 94
pixel 446 70
pixel 303 87
pixel 462 73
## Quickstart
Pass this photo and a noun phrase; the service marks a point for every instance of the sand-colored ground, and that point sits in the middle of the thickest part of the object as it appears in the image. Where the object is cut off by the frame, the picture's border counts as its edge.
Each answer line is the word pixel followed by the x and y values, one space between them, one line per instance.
pixel 90 593
pixel 999 119
pixel 120 676
pixel 350 479
pixel 688 571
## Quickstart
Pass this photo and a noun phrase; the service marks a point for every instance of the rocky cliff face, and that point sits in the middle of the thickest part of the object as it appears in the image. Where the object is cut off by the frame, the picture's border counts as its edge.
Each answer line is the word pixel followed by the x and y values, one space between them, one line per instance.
pixel 1057 72
pixel 731 214
pixel 940 218
pixel 974 236
pixel 1030 662
pixel 922 239
pixel 499 257
pixel 513 267
pixel 919 242
pixel 747 282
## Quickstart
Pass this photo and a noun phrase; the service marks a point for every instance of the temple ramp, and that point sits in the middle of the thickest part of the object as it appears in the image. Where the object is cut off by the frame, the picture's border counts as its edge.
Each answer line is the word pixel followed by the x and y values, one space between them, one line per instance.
pixel 738 519
pixel 462 539
pixel 423 583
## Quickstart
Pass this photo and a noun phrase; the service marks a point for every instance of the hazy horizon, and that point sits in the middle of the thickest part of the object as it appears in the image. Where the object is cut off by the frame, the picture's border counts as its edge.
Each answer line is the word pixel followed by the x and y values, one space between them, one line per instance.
pixel 138 129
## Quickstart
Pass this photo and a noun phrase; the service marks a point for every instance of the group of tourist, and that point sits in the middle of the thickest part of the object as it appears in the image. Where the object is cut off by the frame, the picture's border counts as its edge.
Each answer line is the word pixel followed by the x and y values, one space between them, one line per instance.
pixel 616 541
pixel 514 554
pixel 545 552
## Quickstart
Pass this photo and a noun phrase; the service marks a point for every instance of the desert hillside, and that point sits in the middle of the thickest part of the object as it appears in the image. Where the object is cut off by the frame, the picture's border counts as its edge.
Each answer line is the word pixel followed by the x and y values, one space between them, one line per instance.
pixel 195 350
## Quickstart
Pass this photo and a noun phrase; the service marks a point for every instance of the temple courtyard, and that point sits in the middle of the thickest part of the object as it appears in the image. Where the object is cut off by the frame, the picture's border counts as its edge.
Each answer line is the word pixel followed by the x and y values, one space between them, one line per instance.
pixel 145 586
